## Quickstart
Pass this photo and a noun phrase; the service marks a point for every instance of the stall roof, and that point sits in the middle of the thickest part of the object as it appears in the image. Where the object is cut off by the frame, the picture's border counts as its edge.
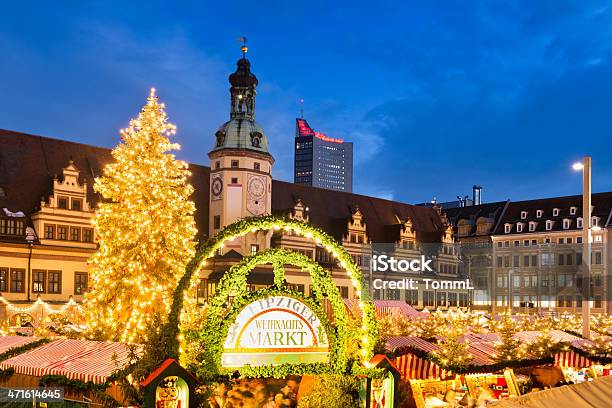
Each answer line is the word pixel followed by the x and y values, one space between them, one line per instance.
pixel 593 394
pixel 9 342
pixel 76 359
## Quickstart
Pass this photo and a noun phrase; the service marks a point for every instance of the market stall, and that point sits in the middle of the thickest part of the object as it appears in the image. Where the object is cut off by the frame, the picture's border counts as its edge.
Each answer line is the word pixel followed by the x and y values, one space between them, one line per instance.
pixel 69 361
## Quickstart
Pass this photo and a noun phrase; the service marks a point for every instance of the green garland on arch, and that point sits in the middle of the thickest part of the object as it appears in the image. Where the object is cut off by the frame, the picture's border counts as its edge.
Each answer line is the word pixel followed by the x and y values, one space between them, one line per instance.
pixel 170 333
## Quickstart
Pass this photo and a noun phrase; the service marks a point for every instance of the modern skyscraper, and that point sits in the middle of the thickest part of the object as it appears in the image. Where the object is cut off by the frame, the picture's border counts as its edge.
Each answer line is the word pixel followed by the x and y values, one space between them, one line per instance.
pixel 322 161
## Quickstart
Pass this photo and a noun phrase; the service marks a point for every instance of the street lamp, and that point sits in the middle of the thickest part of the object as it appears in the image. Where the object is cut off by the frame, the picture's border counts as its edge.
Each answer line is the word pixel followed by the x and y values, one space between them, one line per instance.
pixel 30 237
pixel 585 167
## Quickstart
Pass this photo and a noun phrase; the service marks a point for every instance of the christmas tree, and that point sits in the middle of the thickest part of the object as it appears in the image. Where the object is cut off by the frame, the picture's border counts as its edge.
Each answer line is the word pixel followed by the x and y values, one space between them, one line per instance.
pixel 145 230
pixel 543 345
pixel 454 352
pixel 508 348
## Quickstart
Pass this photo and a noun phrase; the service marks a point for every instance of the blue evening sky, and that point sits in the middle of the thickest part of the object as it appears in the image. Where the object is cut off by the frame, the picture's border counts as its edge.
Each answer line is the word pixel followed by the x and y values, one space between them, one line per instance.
pixel 436 95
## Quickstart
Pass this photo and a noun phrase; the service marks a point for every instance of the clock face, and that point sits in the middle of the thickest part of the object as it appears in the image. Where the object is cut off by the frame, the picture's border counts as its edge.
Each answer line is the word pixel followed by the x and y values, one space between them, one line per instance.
pixel 217 187
pixel 257 187
pixel 256 195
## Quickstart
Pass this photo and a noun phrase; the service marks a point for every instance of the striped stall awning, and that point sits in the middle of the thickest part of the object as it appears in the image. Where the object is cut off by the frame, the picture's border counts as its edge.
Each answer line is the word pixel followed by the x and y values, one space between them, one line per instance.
pixel 571 359
pixel 9 342
pixel 398 342
pixel 556 335
pixel 412 367
pixel 76 359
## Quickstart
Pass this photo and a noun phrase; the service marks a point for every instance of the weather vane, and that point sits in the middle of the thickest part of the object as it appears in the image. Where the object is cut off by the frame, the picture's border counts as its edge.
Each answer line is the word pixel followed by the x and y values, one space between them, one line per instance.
pixel 244 47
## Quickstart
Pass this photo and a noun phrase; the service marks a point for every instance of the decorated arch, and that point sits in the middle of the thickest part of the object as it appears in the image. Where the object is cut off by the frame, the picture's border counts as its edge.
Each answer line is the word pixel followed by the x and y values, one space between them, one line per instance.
pixel 232 297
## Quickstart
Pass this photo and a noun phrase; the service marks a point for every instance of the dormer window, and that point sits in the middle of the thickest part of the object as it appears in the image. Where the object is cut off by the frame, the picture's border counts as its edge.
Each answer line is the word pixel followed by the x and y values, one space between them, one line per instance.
pixel 523 215
pixel 579 222
pixel 539 213
pixel 566 223
pixel 532 226
pixel 594 221
pixel 76 204
pixel 507 228
pixel 555 212
pixel 519 227
pixel 62 202
pixel 573 210
pixel 549 225
pixel 256 138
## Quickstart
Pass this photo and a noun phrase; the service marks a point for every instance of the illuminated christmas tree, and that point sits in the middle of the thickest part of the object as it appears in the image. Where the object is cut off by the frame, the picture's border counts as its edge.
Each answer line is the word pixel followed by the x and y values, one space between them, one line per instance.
pixel 454 352
pixel 543 345
pixel 508 348
pixel 145 230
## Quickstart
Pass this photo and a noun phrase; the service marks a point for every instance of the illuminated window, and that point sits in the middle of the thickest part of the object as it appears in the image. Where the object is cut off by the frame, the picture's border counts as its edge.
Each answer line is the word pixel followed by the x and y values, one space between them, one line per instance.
pixel 49 231
pixel 38 281
pixel 75 233
pixel 62 232
pixel 3 279
pixel 254 249
pixel 87 235
pixel 80 283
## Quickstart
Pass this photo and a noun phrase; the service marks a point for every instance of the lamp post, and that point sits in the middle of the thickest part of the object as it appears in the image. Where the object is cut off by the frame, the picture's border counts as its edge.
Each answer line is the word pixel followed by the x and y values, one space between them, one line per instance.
pixel 585 166
pixel 30 238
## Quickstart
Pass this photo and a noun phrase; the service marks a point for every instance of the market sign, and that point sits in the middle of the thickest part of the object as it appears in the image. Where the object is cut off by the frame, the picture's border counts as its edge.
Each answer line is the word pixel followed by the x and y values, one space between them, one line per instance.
pixel 275 330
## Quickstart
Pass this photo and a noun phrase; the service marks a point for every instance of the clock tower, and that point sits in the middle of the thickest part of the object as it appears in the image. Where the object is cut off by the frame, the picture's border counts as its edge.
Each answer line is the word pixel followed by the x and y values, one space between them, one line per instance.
pixel 240 164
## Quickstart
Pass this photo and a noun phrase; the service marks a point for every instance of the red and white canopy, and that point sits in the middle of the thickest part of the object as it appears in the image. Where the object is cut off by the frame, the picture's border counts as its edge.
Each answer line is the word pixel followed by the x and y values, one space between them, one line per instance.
pixel 571 359
pixel 9 342
pixel 76 359
pixel 412 367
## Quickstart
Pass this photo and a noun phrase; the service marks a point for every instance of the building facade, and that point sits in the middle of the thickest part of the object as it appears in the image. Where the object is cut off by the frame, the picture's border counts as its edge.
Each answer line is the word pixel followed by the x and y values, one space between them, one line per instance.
pixel 322 161
pixel 47 204
pixel 528 255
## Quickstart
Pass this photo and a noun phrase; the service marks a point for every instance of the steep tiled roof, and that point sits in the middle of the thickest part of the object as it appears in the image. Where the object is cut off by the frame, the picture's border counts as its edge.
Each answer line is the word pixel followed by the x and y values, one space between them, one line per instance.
pixel 28 164
pixel 493 211
pixel 601 202
pixel 331 210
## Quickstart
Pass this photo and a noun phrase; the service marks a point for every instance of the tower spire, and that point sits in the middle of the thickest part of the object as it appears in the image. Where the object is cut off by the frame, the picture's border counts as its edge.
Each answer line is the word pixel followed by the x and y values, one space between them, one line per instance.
pixel 243 83
pixel 244 47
